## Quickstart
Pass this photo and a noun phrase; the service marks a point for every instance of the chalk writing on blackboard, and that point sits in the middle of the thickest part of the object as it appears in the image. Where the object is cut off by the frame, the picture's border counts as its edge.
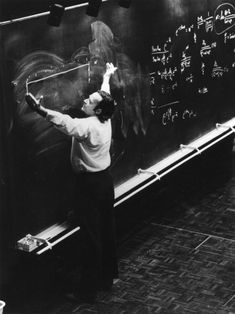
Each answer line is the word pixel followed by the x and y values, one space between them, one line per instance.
pixel 174 70
pixel 203 68
pixel 153 106
pixel 171 115
pixel 224 18
pixel 188 113
pixel 218 71
pixel 207 23
pixel 184 28
pixel 189 78
pixel 167 74
pixel 203 90
pixel 185 61
pixel 162 55
pixel 152 78
pixel 228 37
pixel 207 48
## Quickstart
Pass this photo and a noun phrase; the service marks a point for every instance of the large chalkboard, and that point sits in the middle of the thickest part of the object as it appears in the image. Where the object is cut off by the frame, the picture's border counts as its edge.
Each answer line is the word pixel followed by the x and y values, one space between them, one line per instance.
pixel 175 81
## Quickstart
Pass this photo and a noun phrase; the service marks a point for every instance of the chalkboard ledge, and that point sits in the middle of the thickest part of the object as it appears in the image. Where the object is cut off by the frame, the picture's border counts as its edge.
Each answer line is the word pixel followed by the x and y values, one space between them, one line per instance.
pixel 146 177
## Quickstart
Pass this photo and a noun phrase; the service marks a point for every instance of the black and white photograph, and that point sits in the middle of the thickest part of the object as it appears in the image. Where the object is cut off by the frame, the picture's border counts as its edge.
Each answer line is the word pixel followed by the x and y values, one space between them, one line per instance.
pixel 117 156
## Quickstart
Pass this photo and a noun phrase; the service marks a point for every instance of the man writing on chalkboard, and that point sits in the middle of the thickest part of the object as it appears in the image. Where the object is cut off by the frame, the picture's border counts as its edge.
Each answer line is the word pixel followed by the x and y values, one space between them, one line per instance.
pixel 90 159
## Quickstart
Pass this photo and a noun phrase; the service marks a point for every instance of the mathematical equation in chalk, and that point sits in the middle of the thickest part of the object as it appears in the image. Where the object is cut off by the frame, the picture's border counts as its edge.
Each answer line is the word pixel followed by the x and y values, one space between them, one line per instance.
pixel 206 24
pixel 162 54
pixel 206 48
pixel 184 28
pixel 200 47
pixel 185 60
pixel 218 71
pixel 228 37
pixel 224 18
pixel 169 114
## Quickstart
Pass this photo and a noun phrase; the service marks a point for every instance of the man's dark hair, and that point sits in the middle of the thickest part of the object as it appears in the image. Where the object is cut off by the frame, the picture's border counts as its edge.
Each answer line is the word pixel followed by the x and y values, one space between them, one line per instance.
pixel 107 106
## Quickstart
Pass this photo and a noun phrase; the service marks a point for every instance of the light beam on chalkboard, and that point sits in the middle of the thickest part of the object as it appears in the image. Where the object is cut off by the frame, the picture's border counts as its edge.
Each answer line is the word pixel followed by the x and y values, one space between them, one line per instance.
pixel 56 13
pixel 93 7
pixel 124 3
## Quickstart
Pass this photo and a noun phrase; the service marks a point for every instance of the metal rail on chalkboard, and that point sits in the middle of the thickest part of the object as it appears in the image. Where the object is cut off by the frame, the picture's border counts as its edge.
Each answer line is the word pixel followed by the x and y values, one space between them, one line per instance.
pixel 146 177
pixel 33 16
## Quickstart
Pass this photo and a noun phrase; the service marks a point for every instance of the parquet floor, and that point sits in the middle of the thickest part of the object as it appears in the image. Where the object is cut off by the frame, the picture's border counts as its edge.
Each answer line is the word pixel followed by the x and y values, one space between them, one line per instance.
pixel 180 259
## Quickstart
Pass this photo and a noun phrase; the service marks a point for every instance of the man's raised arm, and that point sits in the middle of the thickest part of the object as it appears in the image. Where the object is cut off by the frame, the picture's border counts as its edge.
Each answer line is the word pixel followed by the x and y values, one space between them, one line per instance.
pixel 110 69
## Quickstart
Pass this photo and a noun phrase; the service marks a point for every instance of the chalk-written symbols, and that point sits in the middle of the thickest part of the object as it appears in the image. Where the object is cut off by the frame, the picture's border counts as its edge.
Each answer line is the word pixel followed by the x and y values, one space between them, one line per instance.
pixel 184 28
pixel 152 78
pixel 228 37
pixel 169 57
pixel 188 114
pixel 169 40
pixel 206 49
pixel 167 88
pixel 174 86
pixel 179 29
pixel 156 59
pixel 171 115
pixel 168 114
pixel 167 74
pixel 161 55
pixel 203 90
pixel 153 105
pixel 159 50
pixel 203 68
pixel 162 59
pixel 224 18
pixel 185 62
pixel 189 78
pixel 200 21
pixel 170 87
pixel 218 71
pixel 156 49
pixel 207 23
pixel 190 28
